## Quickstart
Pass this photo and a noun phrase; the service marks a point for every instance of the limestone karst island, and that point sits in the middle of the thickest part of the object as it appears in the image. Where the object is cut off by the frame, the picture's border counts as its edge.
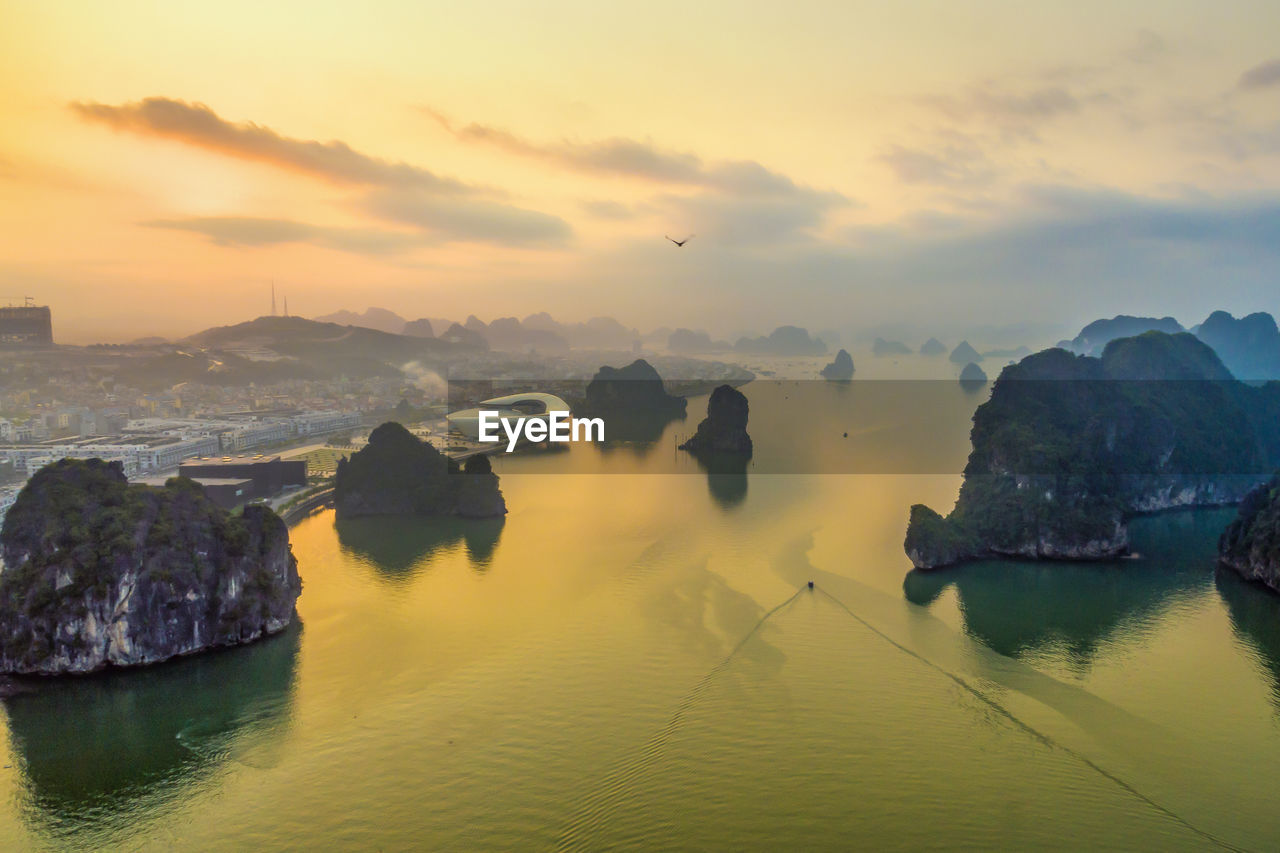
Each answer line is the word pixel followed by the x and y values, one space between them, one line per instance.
pixel 821 426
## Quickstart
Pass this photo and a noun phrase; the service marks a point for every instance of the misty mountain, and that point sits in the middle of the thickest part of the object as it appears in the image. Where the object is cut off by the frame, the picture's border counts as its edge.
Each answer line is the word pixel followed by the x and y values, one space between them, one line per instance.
pixel 689 341
pixel 508 334
pixel 288 347
pixel 1249 346
pixel 604 333
pixel 1094 337
pixel 965 353
pixel 1015 353
pixel 882 347
pixel 785 340
pixel 460 335
pixel 420 328
pixel 373 318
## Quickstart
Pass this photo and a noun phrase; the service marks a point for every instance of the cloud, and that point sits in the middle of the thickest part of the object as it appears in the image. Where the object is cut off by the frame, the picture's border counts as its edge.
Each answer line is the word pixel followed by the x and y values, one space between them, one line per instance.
pixel 1146 47
pixel 1056 254
pixel 958 163
pixel 198 125
pixel 991 102
pixel 738 202
pixel 746 222
pixel 473 220
pixel 444 209
pixel 633 158
pixel 248 232
pixel 606 209
pixel 1261 76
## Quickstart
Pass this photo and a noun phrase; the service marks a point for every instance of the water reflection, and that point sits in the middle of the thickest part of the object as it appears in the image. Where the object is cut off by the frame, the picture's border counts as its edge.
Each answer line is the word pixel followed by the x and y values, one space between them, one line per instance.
pixel 726 477
pixel 1018 608
pixel 397 546
pixel 99 750
pixel 1255 617
pixel 637 432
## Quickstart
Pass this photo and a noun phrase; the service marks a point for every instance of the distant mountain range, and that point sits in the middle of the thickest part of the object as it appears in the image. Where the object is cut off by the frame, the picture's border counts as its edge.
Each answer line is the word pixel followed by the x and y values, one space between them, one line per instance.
pixel 1248 346
pixel 275 349
pixel 372 318
pixel 784 340
pixel 535 333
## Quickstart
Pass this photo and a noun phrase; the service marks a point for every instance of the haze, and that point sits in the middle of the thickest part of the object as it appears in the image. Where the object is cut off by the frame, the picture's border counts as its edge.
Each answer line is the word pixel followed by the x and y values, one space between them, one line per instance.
pixel 931 166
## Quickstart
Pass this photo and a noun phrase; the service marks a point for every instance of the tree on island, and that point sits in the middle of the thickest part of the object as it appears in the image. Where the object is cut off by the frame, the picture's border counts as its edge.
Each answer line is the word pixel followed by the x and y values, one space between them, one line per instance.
pixel 397 473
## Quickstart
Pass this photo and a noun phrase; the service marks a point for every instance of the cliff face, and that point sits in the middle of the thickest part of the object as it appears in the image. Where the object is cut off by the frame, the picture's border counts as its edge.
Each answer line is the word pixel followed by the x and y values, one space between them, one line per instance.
pixel 724 429
pixel 1251 544
pixel 100 573
pixel 398 474
pixel 1068 447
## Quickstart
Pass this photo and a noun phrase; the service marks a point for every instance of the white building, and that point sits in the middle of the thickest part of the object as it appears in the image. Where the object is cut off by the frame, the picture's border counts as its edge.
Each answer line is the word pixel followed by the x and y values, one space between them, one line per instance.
pixel 161 457
pixel 320 423
pixel 256 434
pixel 31 458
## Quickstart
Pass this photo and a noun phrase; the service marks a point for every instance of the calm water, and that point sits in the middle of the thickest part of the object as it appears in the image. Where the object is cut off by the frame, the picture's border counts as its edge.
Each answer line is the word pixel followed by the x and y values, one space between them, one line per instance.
pixel 631 660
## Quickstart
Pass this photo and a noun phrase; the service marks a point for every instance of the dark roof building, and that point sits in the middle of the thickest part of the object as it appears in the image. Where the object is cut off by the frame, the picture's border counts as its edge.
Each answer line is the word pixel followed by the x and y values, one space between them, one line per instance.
pixel 268 474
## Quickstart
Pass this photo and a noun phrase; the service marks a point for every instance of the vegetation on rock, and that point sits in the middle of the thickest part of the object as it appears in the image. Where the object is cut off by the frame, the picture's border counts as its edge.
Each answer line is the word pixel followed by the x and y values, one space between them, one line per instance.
pixel 724 429
pixel 397 473
pixel 1068 446
pixel 1251 543
pixel 100 572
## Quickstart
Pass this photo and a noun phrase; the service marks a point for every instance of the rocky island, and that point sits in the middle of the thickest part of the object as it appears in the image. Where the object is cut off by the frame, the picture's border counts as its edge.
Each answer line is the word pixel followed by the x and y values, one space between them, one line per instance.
pixel 1069 446
pixel 631 390
pixel 101 573
pixel 840 368
pixel 724 430
pixel 397 473
pixel 972 377
pixel 1251 544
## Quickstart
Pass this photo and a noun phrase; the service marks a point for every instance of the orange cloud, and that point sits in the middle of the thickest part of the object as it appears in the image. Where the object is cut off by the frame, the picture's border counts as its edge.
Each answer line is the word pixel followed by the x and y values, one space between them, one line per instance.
pixel 197 124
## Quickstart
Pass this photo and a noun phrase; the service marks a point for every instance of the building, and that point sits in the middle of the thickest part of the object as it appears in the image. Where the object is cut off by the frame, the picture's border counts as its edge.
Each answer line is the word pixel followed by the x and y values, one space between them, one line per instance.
pixel 26 326
pixel 165 453
pixel 226 492
pixel 321 423
pixel 137 453
pixel 268 474
pixel 256 434
pixel 29 458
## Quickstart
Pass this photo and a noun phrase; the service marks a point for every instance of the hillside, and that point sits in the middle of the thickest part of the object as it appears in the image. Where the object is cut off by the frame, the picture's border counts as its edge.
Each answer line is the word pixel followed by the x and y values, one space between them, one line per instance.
pixel 1069 446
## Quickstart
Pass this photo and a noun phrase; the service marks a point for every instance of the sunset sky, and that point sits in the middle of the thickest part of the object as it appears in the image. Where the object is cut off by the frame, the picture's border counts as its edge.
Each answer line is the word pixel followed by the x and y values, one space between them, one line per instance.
pixel 844 165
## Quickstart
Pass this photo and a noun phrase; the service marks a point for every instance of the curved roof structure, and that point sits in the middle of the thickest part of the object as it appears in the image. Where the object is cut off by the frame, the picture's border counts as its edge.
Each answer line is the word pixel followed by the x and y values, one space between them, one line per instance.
pixel 533 404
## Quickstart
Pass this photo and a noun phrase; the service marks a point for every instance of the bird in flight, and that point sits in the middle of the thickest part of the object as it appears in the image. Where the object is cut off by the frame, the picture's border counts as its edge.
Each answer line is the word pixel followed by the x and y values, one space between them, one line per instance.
pixel 681 242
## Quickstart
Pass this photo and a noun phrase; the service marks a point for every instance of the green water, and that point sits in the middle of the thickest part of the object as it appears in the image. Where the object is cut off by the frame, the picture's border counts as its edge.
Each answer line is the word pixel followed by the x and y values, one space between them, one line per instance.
pixel 632 660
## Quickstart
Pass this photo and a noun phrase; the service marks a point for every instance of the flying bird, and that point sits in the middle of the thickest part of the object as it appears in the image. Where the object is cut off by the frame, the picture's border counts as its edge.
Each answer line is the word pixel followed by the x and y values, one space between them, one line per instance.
pixel 681 242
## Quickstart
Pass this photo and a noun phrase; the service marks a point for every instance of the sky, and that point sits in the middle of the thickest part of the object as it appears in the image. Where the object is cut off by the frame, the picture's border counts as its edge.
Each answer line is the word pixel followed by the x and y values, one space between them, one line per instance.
pixel 918 166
